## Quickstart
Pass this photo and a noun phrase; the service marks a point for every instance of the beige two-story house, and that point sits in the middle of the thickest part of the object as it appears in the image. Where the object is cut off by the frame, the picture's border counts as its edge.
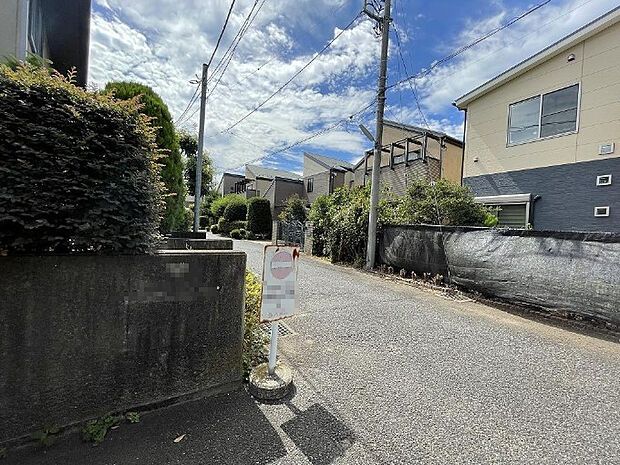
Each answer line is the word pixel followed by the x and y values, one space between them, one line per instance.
pixel 541 139
pixel 410 153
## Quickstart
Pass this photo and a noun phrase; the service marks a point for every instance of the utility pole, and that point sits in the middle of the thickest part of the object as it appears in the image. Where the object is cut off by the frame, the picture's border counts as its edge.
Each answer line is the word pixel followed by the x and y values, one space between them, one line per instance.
pixel 201 140
pixel 375 188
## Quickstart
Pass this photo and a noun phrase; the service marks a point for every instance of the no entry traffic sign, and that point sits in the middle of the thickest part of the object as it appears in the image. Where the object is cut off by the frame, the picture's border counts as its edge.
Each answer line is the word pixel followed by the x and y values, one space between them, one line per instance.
pixel 279 283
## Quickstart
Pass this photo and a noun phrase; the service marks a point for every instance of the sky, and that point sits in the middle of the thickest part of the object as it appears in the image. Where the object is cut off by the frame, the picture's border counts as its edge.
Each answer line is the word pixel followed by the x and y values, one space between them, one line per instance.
pixel 163 43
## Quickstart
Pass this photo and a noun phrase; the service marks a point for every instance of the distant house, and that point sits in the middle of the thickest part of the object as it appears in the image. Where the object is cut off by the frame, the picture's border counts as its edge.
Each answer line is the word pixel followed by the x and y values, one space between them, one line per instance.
pixel 229 183
pixel 322 175
pixel 259 181
pixel 58 30
pixel 541 139
pixel 410 153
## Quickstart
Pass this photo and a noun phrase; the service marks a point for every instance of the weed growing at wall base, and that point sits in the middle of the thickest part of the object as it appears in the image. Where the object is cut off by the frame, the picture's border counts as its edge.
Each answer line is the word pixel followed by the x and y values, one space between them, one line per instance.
pixel 96 430
pixel 254 340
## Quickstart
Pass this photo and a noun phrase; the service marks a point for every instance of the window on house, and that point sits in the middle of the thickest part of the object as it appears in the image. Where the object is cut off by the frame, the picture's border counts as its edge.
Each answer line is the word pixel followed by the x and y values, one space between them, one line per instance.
pixel 310 185
pixel 524 120
pixel 398 159
pixel 545 115
pixel 35 28
pixel 414 155
pixel 510 216
pixel 559 111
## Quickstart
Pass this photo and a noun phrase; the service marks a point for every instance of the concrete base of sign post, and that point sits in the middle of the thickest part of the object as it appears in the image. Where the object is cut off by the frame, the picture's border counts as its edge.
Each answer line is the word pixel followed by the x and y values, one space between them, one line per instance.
pixel 264 386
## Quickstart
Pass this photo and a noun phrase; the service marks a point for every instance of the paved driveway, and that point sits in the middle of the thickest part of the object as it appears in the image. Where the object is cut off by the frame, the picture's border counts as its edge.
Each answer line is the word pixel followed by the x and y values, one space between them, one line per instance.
pixel 391 374
pixel 416 378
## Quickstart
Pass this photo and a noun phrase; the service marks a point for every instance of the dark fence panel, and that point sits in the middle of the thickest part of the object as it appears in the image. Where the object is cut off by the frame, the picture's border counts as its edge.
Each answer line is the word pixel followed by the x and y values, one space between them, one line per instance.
pixel 562 271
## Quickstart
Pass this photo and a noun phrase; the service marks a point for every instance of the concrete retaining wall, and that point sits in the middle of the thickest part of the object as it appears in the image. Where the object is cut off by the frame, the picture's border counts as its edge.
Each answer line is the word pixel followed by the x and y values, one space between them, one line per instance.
pixel 562 271
pixel 176 243
pixel 84 335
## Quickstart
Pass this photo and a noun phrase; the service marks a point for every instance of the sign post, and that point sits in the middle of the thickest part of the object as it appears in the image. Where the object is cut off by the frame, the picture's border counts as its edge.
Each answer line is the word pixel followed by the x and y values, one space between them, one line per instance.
pixel 279 291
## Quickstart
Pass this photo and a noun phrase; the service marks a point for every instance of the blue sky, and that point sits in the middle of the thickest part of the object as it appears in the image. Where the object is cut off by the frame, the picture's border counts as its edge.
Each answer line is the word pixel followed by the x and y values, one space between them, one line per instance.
pixel 162 43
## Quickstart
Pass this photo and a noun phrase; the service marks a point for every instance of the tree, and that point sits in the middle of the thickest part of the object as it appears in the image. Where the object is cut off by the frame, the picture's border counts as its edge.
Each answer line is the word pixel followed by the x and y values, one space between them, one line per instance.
pixel 259 215
pixel 172 169
pixel 444 203
pixel 189 146
pixel 294 210
pixel 219 204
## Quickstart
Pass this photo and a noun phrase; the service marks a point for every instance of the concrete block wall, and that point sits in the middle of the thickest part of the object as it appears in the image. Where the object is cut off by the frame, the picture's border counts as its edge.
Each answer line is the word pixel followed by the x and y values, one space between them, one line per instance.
pixel 81 336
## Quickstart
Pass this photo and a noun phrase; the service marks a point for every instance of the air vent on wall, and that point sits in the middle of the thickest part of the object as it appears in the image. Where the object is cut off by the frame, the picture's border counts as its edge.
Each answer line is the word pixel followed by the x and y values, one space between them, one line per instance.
pixel 606 149
pixel 601 211
pixel 603 180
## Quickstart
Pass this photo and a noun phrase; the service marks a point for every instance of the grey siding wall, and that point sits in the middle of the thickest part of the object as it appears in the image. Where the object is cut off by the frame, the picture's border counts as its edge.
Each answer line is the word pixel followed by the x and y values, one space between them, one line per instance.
pixel 568 194
pixel 281 190
pixel 321 185
pixel 399 177
pixel 227 185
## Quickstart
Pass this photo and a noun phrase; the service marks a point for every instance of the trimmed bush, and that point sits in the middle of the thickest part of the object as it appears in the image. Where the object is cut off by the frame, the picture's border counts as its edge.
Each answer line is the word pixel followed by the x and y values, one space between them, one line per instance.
pixel 445 203
pixel 79 169
pixel 225 227
pixel 219 204
pixel 236 234
pixel 250 235
pixel 259 216
pixel 214 229
pixel 236 210
pixel 167 141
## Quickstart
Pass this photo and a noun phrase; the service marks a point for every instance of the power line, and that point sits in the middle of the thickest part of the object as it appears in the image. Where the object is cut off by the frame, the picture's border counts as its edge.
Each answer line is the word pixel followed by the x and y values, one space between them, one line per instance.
pixel 232 4
pixel 470 45
pixel 279 89
pixel 227 57
pixel 314 135
pixel 240 35
pixel 194 98
pixel 414 91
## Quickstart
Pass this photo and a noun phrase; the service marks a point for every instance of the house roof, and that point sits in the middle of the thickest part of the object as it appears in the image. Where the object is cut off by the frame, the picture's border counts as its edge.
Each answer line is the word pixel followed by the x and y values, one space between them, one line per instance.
pixel 416 130
pixel 421 130
pixel 329 162
pixel 590 29
pixel 232 175
pixel 270 173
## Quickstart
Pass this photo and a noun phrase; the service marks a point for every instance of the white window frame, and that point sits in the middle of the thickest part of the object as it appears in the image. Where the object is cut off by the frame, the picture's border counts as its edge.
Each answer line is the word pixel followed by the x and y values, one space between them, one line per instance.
pixel 540 96
pixel 599 180
pixel 600 215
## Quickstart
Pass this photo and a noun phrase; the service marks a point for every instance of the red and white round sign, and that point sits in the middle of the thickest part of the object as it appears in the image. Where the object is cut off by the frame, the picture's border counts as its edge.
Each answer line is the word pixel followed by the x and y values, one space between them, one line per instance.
pixel 281 264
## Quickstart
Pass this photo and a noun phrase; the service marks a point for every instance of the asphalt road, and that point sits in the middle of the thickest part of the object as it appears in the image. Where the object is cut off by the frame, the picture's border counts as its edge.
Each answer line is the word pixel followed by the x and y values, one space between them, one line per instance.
pixel 417 378
pixel 387 373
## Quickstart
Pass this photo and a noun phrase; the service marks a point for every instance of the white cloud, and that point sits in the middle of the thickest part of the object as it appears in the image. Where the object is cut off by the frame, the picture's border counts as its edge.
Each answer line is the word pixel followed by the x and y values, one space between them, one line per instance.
pixel 157 43
pixel 503 50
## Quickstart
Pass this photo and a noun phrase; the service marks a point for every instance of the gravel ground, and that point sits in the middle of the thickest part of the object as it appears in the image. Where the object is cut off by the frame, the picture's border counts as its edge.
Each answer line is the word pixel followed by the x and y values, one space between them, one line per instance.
pixel 387 373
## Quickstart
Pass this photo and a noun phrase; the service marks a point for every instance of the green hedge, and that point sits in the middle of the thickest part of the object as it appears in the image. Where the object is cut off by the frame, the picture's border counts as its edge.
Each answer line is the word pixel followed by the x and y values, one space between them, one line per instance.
pixel 219 204
pixel 259 216
pixel 225 227
pixel 174 218
pixel 236 210
pixel 78 169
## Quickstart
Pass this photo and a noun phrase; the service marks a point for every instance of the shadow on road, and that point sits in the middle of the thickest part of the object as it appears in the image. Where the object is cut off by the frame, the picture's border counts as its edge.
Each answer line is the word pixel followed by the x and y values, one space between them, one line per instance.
pixel 227 429
pixel 318 434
